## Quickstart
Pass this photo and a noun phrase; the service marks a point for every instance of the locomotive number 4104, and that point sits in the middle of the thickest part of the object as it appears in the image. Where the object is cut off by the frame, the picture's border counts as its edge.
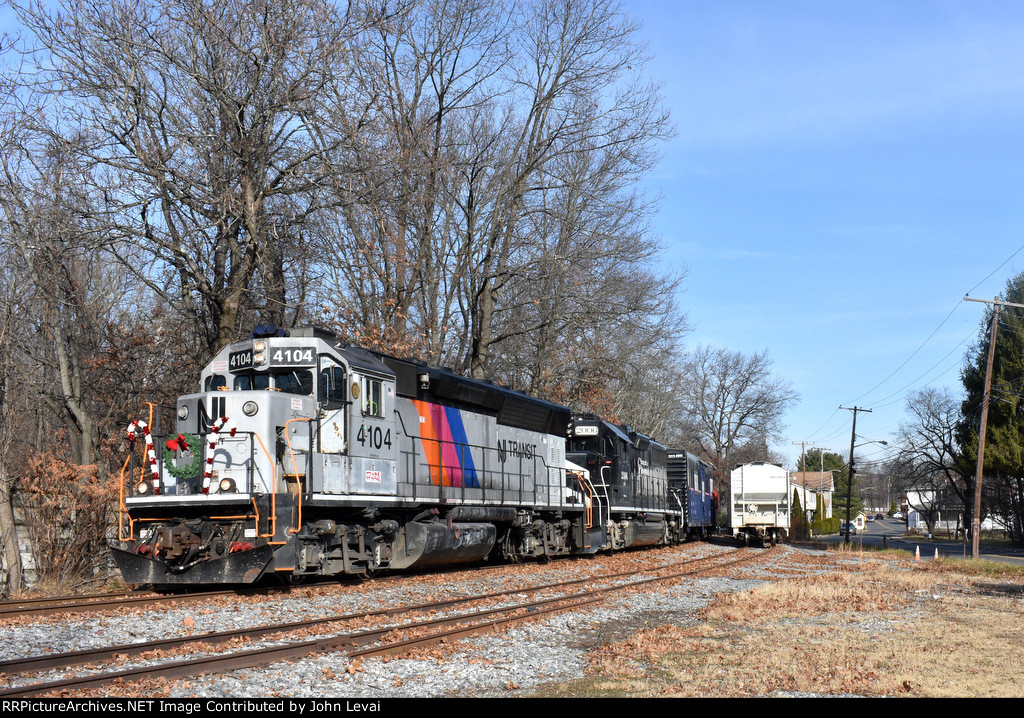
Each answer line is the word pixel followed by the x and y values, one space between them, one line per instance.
pixel 292 356
pixel 374 437
pixel 279 356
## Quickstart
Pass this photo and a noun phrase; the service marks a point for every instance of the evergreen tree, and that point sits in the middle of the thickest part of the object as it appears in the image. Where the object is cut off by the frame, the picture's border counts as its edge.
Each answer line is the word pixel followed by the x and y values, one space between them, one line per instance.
pixel 798 526
pixel 1004 440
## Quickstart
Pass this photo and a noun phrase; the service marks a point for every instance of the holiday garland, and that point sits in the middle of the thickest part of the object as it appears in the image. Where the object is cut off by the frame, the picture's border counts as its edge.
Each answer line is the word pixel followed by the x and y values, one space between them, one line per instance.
pixel 141 427
pixel 221 423
pixel 193 445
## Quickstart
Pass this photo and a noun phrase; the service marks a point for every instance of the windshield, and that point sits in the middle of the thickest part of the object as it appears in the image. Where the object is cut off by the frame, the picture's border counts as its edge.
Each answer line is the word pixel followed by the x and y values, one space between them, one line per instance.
pixel 290 381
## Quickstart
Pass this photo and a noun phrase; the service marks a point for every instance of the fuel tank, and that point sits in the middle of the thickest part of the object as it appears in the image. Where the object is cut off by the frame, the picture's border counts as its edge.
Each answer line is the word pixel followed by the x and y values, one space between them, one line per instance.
pixel 643 533
pixel 421 543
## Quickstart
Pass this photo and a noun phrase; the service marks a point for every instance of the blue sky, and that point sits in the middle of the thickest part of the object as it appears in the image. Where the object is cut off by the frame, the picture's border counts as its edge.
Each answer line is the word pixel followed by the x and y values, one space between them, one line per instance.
pixel 843 174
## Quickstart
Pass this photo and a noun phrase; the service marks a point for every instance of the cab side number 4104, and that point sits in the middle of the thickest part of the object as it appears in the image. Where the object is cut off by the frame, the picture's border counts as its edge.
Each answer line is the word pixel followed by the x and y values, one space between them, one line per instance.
pixel 374 437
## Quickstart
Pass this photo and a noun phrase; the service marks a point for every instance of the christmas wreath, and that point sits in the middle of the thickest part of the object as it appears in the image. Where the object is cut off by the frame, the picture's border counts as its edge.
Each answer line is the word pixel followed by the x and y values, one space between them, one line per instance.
pixel 183 442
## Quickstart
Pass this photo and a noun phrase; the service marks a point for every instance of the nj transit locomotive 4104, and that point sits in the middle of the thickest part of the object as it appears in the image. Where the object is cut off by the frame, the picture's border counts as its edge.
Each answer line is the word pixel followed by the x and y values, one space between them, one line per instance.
pixel 305 457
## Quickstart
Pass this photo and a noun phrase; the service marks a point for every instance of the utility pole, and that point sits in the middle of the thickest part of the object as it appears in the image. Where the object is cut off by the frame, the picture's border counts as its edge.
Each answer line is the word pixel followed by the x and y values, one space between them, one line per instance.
pixel 803 469
pixel 849 483
pixel 980 466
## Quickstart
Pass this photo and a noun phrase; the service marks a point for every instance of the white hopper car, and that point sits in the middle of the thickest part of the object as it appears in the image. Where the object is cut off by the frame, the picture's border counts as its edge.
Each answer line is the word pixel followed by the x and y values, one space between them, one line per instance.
pixel 759 506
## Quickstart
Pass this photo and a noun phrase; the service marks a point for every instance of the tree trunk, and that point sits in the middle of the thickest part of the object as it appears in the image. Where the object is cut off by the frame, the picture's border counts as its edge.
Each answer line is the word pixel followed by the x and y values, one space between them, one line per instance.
pixel 9 536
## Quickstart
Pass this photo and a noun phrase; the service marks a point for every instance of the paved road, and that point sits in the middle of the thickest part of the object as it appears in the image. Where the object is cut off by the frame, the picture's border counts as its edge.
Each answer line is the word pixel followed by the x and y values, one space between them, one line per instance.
pixel 889 533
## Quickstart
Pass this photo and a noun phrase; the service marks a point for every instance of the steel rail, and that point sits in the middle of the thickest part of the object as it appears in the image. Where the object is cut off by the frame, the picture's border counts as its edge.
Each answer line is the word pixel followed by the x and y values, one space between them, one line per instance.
pixel 255 657
pixel 106 602
pixel 93 655
pixel 37 600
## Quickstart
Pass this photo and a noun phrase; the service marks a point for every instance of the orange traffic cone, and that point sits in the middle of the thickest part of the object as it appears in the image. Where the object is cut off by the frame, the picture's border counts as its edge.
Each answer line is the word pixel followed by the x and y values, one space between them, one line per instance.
pixel 917 554
pixel 936 554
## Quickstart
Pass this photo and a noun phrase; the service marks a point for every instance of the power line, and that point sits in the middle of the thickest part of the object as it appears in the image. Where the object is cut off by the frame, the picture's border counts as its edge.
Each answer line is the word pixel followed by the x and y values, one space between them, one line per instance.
pixel 907 360
pixel 913 354
pixel 979 468
pixel 849 480
pixel 941 324
pixel 996 269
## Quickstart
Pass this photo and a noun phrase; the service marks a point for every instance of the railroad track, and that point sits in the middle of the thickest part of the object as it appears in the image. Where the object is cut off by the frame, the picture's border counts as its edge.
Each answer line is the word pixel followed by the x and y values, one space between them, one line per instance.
pixel 53 605
pixel 387 640
pixel 97 602
pixel 112 601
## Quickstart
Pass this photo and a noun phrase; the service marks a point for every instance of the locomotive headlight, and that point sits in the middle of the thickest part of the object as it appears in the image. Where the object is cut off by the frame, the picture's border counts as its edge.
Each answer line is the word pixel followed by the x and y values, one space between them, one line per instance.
pixel 183 412
pixel 226 486
pixel 145 488
pixel 250 408
pixel 259 358
pixel 260 346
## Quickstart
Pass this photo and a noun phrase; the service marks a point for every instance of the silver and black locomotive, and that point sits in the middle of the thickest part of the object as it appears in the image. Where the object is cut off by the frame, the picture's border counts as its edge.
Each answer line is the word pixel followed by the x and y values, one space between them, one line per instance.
pixel 305 457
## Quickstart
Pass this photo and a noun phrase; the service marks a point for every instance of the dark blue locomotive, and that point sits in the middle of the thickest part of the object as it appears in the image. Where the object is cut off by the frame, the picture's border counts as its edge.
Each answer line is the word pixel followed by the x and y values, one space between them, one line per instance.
pixel 303 457
pixel 627 474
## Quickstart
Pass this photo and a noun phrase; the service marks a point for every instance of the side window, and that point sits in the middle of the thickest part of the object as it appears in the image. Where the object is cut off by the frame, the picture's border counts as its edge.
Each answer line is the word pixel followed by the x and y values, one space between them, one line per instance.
pixel 373 397
pixel 332 386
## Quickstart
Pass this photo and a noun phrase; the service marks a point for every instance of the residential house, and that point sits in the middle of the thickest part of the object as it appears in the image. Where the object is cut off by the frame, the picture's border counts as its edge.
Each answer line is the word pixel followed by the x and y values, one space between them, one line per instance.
pixel 812 484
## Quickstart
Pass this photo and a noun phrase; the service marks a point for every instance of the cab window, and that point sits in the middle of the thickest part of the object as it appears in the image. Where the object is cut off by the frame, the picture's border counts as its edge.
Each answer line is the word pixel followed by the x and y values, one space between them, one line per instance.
pixel 373 397
pixel 289 381
pixel 244 382
pixel 215 382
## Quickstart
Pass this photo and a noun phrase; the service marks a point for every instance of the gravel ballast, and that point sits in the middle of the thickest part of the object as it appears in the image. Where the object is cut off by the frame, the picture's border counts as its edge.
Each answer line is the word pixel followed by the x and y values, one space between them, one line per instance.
pixel 511 662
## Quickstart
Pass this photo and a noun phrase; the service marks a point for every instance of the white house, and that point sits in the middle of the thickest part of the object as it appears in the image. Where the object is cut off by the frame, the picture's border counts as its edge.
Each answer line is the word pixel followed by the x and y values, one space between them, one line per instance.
pixel 950 518
pixel 812 484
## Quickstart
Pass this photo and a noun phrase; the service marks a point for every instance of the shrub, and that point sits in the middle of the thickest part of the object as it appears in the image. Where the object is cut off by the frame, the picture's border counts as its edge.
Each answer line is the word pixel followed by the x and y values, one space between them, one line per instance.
pixel 66 509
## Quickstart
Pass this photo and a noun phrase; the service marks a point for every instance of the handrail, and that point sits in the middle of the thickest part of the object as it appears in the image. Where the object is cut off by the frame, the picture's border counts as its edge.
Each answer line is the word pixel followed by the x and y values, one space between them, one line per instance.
pixel 122 507
pixel 588 490
pixel 273 490
pixel 309 465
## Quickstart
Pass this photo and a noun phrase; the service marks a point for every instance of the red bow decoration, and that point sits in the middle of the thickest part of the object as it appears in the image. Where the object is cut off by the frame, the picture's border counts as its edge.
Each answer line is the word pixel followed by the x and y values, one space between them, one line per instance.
pixel 178 443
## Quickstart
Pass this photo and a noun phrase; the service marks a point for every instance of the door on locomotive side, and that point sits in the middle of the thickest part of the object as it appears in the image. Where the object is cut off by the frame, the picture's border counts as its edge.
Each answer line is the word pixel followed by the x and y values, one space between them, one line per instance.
pixel 373 438
pixel 332 398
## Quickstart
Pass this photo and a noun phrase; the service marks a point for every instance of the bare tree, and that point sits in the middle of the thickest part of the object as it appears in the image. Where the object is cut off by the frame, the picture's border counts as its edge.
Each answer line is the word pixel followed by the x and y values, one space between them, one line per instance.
pixel 201 119
pixel 577 92
pixel 10 315
pixel 732 399
pixel 47 222
pixel 395 254
pixel 930 458
pixel 500 231
pixel 586 314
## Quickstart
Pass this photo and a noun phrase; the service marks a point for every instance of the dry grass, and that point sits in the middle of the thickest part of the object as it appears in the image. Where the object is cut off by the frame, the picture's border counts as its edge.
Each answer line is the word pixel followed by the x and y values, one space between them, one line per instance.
pixel 942 629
